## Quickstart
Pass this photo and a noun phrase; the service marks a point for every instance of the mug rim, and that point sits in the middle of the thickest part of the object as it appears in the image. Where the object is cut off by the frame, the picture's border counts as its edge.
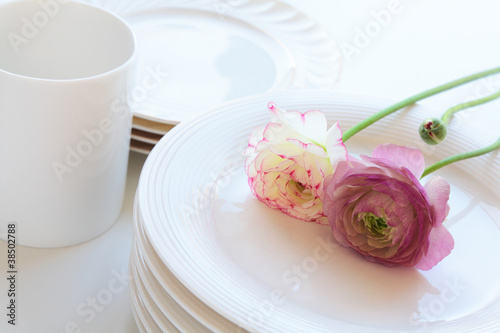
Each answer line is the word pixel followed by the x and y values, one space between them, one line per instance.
pixel 130 60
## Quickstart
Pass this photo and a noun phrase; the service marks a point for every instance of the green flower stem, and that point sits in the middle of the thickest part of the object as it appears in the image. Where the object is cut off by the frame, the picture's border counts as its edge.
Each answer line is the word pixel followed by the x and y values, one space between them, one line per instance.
pixel 411 100
pixel 447 115
pixel 459 157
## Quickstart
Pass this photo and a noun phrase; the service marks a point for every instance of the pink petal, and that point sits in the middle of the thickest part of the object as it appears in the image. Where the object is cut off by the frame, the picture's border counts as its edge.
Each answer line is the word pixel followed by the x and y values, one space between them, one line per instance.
pixel 341 170
pixel 440 245
pixel 438 193
pixel 335 146
pixel 402 156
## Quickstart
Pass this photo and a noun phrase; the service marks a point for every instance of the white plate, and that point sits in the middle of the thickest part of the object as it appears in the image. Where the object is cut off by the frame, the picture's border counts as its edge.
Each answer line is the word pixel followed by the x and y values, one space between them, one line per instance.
pixel 143 318
pixel 152 315
pixel 145 136
pixel 151 126
pixel 169 290
pixel 242 259
pixel 160 304
pixel 141 146
pixel 195 54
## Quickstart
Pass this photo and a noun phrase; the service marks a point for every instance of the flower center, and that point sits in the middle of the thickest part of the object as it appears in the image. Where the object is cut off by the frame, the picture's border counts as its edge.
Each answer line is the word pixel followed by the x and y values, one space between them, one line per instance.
pixel 376 225
pixel 301 191
pixel 300 187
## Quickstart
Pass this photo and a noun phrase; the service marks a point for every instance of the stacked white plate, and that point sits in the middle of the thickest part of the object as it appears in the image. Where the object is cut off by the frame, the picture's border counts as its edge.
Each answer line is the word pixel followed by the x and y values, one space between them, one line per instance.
pixel 146 134
pixel 196 54
pixel 208 256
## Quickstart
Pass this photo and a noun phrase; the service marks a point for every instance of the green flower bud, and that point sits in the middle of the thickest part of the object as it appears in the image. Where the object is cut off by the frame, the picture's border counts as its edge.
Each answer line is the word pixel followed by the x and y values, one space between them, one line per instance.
pixel 432 131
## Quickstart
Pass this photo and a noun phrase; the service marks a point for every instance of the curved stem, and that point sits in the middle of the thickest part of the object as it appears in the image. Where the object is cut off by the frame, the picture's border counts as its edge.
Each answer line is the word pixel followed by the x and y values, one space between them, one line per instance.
pixel 447 115
pixel 411 100
pixel 459 157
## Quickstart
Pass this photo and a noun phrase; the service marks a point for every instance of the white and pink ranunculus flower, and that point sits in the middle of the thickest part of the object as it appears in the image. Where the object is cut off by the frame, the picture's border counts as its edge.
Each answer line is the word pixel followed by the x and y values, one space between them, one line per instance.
pixel 289 159
pixel 378 207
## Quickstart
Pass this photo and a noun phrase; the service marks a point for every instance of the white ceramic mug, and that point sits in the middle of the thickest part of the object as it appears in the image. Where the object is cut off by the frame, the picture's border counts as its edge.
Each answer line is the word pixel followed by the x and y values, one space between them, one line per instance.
pixel 66 70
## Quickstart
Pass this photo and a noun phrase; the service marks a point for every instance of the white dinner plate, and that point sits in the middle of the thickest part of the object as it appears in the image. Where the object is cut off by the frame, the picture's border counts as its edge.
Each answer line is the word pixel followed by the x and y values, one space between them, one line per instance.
pixel 144 319
pixel 145 136
pixel 151 126
pixel 267 272
pixel 196 54
pixel 168 289
pixel 141 146
pixel 155 317
pixel 160 304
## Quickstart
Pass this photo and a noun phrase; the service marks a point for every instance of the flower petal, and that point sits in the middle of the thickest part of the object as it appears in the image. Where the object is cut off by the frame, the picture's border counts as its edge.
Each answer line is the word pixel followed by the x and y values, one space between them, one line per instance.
pixel 309 147
pixel 288 161
pixel 334 145
pixel 438 193
pixel 311 124
pixel 440 245
pixel 385 185
pixel 403 156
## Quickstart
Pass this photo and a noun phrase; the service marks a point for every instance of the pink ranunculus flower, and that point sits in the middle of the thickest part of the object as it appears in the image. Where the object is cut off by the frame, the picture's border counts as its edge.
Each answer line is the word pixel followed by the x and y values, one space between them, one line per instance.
pixel 378 207
pixel 289 159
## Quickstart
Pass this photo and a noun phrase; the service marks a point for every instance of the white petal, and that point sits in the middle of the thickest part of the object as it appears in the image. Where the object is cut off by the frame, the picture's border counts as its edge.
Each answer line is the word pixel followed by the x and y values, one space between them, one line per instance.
pixel 335 147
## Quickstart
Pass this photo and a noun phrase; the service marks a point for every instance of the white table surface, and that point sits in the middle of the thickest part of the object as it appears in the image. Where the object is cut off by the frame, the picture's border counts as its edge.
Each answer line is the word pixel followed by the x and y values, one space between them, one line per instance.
pixel 84 288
